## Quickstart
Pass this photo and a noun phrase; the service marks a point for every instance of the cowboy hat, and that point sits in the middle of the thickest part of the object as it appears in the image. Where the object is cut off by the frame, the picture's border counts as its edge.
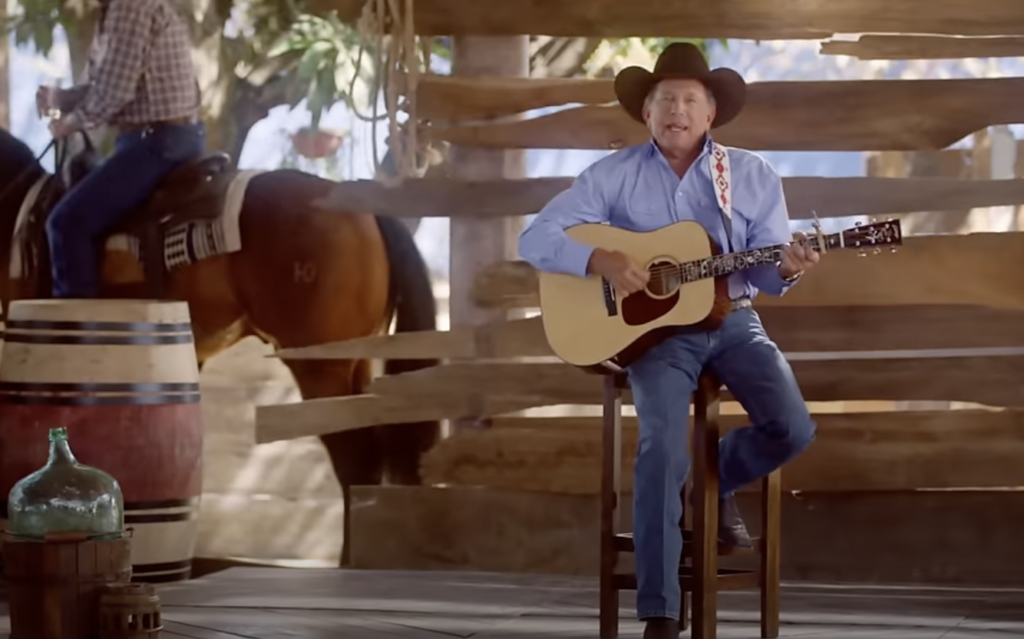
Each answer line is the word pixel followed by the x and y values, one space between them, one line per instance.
pixel 682 60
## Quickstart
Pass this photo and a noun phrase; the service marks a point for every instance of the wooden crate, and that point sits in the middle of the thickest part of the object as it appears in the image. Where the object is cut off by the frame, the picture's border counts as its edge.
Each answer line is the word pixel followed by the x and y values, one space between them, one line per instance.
pixel 54 586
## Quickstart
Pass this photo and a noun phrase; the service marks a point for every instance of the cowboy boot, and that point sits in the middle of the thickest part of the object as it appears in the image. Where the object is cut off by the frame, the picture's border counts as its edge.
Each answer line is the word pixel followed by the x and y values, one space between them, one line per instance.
pixel 661 628
pixel 732 531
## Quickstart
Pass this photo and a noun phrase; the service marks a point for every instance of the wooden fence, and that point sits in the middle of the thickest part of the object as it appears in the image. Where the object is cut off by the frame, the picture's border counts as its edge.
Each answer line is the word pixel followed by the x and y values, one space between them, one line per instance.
pixel 891 490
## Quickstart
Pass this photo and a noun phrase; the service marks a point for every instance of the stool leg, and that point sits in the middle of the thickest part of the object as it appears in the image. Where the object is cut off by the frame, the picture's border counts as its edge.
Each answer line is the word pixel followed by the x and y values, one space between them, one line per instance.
pixel 686 523
pixel 611 485
pixel 684 612
pixel 705 521
pixel 771 533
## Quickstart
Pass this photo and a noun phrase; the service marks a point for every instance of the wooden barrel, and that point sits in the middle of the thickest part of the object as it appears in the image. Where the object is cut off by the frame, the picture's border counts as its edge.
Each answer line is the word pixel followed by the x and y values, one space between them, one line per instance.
pixel 122 377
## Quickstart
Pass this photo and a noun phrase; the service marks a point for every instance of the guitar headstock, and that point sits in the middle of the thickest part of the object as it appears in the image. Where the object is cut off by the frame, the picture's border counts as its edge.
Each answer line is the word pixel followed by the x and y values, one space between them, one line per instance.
pixel 873 235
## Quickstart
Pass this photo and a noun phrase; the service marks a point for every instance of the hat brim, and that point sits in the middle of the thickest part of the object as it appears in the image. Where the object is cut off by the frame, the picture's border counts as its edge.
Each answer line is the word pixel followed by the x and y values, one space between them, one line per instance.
pixel 633 84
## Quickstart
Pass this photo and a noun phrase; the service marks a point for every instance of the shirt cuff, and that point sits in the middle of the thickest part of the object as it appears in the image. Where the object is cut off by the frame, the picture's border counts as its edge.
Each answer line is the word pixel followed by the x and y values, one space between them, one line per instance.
pixel 784 284
pixel 576 256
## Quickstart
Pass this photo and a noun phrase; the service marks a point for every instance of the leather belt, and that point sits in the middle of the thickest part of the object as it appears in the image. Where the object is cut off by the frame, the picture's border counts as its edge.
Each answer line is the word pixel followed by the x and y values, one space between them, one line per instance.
pixel 135 127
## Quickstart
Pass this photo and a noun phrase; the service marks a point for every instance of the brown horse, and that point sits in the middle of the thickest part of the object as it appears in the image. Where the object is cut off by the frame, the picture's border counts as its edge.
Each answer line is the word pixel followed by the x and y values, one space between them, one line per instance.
pixel 303 276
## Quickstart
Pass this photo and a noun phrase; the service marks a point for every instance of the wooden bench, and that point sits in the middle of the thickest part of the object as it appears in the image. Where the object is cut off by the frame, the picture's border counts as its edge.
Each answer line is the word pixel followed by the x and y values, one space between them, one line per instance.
pixel 700 577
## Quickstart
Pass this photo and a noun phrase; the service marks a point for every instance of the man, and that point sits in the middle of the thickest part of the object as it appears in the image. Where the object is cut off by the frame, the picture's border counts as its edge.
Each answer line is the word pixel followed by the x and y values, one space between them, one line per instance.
pixel 645 187
pixel 141 81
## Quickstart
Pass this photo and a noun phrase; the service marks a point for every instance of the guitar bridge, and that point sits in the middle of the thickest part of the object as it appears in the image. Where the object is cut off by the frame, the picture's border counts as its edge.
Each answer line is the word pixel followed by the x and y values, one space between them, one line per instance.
pixel 609 298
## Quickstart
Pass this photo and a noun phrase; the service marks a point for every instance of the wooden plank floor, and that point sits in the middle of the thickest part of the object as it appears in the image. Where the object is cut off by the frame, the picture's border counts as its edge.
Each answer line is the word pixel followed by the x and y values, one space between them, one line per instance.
pixel 269 603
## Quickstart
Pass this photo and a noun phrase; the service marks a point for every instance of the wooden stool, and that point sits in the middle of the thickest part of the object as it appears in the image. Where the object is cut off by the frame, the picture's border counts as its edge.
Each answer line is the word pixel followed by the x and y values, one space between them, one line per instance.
pixel 699 575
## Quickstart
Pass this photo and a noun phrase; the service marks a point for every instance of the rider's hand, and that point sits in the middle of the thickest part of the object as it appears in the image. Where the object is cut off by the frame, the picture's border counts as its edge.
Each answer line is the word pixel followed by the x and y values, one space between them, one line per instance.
pixel 620 269
pixel 62 127
pixel 47 99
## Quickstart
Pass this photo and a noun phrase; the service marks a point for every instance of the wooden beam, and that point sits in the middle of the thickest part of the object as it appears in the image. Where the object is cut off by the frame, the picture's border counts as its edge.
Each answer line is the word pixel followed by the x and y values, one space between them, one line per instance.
pixel 907 47
pixel 479 390
pixel 941 269
pixel 794 328
pixel 855 115
pixel 322 416
pixel 440 97
pixel 445 97
pixel 477 242
pixel 514 338
pixel 989 380
pixel 805 196
pixel 898 450
pixel 752 19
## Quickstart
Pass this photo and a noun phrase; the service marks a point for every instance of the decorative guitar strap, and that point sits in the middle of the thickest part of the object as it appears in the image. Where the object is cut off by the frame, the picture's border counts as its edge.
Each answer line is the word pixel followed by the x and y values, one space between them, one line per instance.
pixel 721 177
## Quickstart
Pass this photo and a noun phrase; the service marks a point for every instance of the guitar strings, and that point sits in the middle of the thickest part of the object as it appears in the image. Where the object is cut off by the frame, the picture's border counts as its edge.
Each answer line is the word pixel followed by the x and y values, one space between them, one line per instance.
pixel 728 260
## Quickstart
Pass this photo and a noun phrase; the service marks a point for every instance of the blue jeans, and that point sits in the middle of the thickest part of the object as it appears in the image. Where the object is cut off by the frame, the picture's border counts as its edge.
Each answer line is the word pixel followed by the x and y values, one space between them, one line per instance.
pixel 662 382
pixel 122 184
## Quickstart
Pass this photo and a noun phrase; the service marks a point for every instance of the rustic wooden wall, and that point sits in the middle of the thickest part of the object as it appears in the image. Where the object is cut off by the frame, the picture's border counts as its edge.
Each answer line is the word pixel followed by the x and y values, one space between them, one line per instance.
pixel 884 494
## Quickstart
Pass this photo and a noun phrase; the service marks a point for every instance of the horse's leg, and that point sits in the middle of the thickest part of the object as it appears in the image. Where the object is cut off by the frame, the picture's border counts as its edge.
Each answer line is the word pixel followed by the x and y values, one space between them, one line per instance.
pixel 308 276
pixel 355 455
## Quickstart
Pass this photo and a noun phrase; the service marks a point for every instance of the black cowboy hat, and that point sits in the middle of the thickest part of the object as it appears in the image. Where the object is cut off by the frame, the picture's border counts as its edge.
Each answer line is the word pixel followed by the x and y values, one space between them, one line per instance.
pixel 682 60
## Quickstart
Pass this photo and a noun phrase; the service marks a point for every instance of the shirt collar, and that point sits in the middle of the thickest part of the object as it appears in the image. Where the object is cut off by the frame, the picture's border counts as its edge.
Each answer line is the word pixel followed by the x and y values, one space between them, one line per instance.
pixel 655 152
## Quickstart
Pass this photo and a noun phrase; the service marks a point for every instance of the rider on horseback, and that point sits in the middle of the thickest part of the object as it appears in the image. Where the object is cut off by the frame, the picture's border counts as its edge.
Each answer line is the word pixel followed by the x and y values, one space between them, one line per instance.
pixel 140 81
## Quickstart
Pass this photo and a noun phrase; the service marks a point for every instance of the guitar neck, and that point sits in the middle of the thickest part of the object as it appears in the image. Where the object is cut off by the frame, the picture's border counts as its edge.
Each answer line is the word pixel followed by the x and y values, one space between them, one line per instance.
pixel 729 263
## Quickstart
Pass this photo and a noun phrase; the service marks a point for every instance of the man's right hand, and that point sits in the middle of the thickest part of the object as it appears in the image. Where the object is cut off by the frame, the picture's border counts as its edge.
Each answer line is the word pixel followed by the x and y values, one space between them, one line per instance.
pixel 620 269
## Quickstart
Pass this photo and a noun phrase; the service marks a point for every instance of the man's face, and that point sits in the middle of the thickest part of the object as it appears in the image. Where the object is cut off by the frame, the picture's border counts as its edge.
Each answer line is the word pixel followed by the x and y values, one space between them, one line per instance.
pixel 678 113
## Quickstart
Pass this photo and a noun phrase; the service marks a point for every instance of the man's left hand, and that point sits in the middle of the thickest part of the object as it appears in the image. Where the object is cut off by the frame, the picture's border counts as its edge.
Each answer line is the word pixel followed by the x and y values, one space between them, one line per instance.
pixel 62 128
pixel 797 258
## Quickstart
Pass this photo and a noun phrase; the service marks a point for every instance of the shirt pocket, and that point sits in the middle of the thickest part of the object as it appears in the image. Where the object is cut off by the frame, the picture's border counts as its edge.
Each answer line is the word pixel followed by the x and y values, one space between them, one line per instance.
pixel 641 211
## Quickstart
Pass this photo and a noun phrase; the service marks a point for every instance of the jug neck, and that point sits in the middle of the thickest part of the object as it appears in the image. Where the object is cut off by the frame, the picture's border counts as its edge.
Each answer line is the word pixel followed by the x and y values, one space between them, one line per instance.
pixel 60 449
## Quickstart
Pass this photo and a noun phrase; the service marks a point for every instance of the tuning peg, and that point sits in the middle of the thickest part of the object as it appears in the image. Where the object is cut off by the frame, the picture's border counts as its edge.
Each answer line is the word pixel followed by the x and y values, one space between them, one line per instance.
pixel 862 253
pixel 877 250
pixel 893 250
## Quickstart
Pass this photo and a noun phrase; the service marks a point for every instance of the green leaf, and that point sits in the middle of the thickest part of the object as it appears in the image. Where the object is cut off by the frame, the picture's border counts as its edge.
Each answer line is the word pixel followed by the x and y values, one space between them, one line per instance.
pixel 42 34
pixel 311 60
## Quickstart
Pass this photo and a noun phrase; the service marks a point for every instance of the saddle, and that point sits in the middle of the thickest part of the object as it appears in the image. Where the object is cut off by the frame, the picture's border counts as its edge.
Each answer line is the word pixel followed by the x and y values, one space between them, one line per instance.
pixel 194 191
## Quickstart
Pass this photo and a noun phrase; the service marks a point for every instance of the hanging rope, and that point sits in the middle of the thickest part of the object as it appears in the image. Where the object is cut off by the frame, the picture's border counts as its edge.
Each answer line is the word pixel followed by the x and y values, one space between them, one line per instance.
pixel 396 58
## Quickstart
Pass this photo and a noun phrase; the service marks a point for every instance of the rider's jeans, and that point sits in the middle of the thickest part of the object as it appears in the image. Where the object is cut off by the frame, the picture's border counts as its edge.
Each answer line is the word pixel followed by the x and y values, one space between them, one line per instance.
pixel 123 183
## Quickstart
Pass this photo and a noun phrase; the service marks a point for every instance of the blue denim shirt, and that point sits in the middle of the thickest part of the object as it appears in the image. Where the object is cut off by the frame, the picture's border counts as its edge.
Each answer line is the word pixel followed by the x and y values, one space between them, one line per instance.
pixel 636 189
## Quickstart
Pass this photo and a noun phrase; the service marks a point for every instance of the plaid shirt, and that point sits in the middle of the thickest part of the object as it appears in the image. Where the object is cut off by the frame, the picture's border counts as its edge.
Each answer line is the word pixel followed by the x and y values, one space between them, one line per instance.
pixel 140 68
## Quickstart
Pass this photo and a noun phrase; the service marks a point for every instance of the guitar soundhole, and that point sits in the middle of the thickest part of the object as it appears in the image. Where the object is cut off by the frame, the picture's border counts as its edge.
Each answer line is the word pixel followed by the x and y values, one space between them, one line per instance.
pixel 665 279
pixel 659 297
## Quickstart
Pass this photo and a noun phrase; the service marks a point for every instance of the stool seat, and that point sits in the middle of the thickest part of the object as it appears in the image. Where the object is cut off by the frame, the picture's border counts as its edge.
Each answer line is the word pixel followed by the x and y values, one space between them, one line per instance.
pixel 700 577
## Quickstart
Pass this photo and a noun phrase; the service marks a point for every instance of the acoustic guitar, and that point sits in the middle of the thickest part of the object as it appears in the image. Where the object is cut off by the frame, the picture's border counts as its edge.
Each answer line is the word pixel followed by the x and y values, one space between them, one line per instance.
pixel 587 324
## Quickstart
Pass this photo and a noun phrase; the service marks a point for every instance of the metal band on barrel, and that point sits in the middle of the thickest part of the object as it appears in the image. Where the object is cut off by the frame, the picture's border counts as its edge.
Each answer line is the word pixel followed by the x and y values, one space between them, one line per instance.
pixel 99 394
pixel 168 333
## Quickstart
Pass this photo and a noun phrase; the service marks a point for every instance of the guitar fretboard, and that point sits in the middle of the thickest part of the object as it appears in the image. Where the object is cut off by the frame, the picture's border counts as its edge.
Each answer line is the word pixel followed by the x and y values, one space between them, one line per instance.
pixel 729 263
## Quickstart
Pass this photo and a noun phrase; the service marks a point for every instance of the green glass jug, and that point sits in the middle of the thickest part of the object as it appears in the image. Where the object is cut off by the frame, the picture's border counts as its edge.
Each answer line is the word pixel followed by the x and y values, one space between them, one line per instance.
pixel 65 496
